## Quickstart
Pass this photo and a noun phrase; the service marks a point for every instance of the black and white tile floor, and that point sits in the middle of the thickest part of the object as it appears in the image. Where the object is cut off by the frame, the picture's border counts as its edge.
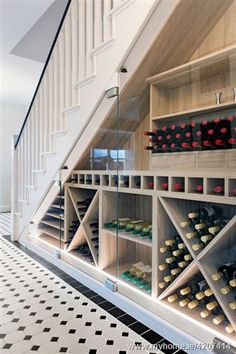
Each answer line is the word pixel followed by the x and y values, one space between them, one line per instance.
pixel 44 310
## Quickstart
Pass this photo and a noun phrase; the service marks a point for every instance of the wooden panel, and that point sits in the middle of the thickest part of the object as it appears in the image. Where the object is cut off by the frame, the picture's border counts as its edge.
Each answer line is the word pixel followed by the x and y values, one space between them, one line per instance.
pixel 222 35
pixel 137 157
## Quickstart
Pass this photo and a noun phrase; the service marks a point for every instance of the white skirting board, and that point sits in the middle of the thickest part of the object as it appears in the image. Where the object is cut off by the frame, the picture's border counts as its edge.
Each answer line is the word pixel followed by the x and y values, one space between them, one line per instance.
pixel 5 208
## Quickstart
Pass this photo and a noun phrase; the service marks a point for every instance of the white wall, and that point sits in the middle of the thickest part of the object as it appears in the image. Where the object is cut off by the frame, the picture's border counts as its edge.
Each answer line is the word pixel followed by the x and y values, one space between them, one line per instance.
pixel 11 119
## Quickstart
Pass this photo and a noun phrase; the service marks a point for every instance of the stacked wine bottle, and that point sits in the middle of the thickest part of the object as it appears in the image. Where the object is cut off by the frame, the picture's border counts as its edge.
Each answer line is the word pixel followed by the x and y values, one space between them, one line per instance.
pixel 227 274
pixel 202 225
pixel 177 258
pixel 205 134
pixel 83 206
pixel 94 231
pixel 197 295
pixel 140 228
pixel 84 253
pixel 140 275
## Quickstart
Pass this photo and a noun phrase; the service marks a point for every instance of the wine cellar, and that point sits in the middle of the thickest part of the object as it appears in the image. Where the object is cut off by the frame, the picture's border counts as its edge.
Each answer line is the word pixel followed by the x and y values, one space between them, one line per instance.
pixel 151 204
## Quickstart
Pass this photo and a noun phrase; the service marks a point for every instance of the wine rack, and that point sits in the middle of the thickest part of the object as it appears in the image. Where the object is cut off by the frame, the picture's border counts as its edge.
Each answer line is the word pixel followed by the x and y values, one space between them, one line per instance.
pixel 200 303
pixel 164 187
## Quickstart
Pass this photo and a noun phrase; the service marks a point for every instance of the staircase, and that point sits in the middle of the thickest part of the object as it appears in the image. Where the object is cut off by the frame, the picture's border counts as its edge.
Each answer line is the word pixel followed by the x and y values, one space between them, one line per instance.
pixel 72 84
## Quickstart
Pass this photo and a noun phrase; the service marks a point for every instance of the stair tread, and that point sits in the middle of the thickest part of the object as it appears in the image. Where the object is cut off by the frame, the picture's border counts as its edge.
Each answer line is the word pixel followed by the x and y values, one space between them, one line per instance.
pixel 57 206
pixel 55 214
pixel 53 224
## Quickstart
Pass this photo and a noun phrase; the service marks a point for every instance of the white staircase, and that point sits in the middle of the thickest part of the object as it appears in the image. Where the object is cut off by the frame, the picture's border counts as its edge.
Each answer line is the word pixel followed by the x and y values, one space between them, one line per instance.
pixel 93 40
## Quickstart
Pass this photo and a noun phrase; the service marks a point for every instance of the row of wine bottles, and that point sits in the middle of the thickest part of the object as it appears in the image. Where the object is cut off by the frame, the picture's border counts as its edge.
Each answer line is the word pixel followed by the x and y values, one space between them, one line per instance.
pixel 138 227
pixel 176 259
pixel 94 228
pixel 140 275
pixel 219 133
pixel 83 206
pixel 84 253
pixel 197 295
pixel 203 225
pixel 227 273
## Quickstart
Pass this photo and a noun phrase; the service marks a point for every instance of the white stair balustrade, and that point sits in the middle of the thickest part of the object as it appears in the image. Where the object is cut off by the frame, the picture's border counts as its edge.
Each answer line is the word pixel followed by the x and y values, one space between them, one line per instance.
pixel 93 40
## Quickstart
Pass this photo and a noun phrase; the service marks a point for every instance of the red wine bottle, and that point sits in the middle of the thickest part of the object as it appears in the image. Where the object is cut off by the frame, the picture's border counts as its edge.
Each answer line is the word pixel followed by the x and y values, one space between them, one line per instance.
pixel 196 135
pixel 219 190
pixel 178 187
pixel 199 188
pixel 164 186
pixel 148 133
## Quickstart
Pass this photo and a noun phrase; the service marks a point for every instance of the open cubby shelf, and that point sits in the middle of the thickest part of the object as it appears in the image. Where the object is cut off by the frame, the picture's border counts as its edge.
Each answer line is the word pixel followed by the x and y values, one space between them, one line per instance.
pixel 191 185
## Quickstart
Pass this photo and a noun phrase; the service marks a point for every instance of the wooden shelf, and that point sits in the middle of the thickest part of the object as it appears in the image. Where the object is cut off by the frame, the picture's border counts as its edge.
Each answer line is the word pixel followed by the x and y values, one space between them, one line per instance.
pixel 169 76
pixel 129 236
pixel 196 111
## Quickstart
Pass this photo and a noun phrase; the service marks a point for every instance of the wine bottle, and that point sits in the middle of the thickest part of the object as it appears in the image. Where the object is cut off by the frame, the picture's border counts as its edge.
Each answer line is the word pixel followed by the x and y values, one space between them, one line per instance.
pixel 172 298
pixel 196 136
pixel 218 319
pixel 84 202
pixel 218 189
pixel 184 302
pixel 138 227
pixel 146 231
pixel 114 223
pixel 178 187
pixel 176 239
pixel 205 292
pixel 232 304
pixel 94 239
pixel 177 252
pixel 183 264
pixel 176 271
pixel 212 305
pixel 162 285
pixel 163 266
pixel 93 224
pixel 206 239
pixel 191 235
pixel 206 213
pixel 198 246
pixel 128 274
pixel 198 188
pixel 232 283
pixel 229 329
pixel 148 133
pixel 181 245
pixel 164 186
pixel 185 223
pixel 130 226
pixel 208 292
pixel 219 225
pixel 188 257
pixel 228 270
pixel 226 290
pixel 205 313
pixel 168 278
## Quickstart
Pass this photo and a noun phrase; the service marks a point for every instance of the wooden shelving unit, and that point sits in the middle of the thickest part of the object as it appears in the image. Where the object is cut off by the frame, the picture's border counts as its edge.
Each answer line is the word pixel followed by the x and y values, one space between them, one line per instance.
pixel 186 77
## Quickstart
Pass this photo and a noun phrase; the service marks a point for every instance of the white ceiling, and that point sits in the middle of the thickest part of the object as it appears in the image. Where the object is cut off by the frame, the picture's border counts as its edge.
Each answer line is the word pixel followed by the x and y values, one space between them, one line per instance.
pixel 27 29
